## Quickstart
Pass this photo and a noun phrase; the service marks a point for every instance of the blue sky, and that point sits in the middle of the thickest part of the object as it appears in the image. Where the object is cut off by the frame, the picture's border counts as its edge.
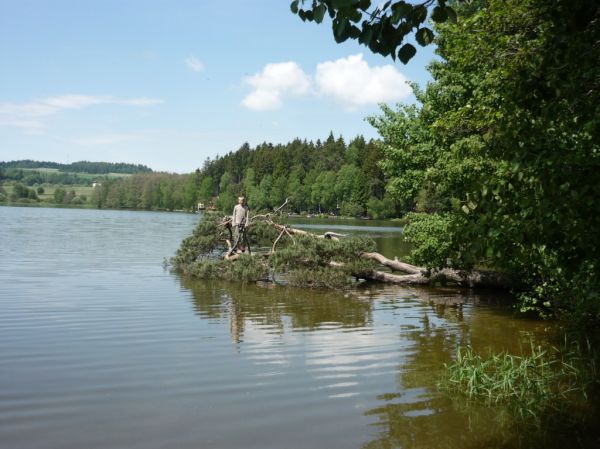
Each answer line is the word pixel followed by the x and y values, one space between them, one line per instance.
pixel 171 83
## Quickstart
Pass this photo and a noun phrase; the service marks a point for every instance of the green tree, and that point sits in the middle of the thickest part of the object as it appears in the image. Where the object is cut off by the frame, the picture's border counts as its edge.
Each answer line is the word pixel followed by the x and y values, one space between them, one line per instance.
pixel 379 209
pixel 323 192
pixel 190 190
pixel 20 191
pixel 296 191
pixel 344 185
pixel 147 194
pixel 227 193
pixel 260 196
pixel 206 190
pixel 59 195
pixel 278 191
pixel 508 138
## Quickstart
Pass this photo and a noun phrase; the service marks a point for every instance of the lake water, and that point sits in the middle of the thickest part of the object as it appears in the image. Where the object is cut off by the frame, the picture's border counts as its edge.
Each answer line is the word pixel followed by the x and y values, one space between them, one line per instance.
pixel 101 347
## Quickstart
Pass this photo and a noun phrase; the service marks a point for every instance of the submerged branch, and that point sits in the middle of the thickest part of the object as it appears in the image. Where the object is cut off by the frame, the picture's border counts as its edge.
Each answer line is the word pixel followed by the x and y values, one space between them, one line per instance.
pixel 311 259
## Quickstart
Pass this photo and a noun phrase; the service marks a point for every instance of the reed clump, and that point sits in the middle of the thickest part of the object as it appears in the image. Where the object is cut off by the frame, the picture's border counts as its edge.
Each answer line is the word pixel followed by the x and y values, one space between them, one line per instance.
pixel 543 385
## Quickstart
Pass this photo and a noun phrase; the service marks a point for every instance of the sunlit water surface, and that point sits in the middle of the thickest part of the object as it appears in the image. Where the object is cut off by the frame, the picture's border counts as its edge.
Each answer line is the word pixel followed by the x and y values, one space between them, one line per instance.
pixel 101 347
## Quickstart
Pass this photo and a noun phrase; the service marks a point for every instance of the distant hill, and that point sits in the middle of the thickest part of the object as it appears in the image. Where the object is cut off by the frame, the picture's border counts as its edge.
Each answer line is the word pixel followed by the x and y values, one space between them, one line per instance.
pixel 99 168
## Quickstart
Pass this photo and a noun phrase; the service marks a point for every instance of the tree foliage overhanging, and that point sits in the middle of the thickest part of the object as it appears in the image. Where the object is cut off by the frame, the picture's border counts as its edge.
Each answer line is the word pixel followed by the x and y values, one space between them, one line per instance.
pixel 505 148
pixel 381 26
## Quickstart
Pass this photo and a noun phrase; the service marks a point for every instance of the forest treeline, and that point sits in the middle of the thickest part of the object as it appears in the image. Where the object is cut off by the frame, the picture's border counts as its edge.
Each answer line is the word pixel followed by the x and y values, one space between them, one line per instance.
pixel 317 177
pixel 329 177
pixel 77 167
pixel 33 177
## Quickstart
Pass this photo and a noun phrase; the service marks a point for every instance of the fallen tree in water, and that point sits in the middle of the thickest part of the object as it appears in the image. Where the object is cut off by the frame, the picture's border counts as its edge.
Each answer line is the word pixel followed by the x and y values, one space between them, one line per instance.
pixel 283 254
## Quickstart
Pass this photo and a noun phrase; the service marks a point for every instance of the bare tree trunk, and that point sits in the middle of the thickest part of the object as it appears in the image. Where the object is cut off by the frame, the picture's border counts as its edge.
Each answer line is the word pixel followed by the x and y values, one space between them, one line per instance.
pixel 395 264
pixel 413 275
pixel 420 275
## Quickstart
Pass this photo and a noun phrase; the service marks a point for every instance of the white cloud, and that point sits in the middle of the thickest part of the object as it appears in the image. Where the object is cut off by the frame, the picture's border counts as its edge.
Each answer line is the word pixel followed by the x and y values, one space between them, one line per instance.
pixel 351 82
pixel 194 63
pixel 30 126
pixel 29 115
pixel 274 83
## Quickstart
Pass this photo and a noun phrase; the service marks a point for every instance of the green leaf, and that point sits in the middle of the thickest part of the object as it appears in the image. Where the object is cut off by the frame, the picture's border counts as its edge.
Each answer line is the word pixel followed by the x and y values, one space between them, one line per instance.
pixel 451 14
pixel 366 35
pixel 406 53
pixel 341 30
pixel 319 13
pixel 294 6
pixel 341 4
pixel 401 10
pixel 374 46
pixel 364 4
pixel 354 32
pixel 439 14
pixel 424 36
pixel 355 15
pixel 419 15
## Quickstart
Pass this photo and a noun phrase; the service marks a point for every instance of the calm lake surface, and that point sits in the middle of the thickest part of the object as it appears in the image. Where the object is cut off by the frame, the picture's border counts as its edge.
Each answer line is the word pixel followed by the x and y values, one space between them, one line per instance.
pixel 101 347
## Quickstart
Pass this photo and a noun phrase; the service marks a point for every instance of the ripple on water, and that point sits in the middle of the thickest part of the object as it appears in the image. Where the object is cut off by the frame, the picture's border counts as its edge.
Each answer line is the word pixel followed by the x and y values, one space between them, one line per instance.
pixel 100 347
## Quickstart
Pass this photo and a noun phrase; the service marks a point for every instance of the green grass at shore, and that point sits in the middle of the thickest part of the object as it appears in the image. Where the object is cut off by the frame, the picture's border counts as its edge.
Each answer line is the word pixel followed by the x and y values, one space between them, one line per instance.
pixel 534 388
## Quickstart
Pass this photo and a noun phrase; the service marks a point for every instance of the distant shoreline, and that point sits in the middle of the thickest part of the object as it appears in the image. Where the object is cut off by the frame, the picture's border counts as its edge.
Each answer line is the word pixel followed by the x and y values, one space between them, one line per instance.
pixel 90 207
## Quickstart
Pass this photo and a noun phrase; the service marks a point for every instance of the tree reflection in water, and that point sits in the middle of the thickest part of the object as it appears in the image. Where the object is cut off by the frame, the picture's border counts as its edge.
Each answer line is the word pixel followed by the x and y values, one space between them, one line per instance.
pixel 383 328
pixel 265 304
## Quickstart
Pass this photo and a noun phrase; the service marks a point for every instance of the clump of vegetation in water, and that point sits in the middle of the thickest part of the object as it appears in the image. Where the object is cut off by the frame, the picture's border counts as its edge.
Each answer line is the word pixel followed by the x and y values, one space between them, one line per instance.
pixel 536 389
pixel 301 260
pixel 314 262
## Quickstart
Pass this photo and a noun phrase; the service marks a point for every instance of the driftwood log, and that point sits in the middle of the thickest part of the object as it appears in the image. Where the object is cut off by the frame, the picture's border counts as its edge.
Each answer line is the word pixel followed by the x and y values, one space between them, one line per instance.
pixel 410 274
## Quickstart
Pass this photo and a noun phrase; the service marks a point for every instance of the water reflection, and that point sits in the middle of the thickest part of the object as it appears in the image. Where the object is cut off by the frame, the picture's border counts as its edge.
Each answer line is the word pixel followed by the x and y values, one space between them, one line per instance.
pixel 419 416
pixel 276 308
pixel 380 349
pixel 100 347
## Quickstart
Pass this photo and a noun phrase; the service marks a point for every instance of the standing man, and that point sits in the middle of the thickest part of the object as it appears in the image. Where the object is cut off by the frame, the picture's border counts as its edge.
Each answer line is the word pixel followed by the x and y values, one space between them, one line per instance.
pixel 239 222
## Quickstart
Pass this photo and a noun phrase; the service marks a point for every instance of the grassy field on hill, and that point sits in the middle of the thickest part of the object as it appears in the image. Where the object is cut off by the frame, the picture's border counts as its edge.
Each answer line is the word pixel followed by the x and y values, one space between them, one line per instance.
pixel 45 185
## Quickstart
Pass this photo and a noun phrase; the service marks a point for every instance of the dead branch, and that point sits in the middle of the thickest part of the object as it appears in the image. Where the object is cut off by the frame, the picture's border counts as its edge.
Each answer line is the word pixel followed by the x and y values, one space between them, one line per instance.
pixel 395 265
pixel 295 231
pixel 290 236
pixel 266 216
pixel 414 275
pixel 277 240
